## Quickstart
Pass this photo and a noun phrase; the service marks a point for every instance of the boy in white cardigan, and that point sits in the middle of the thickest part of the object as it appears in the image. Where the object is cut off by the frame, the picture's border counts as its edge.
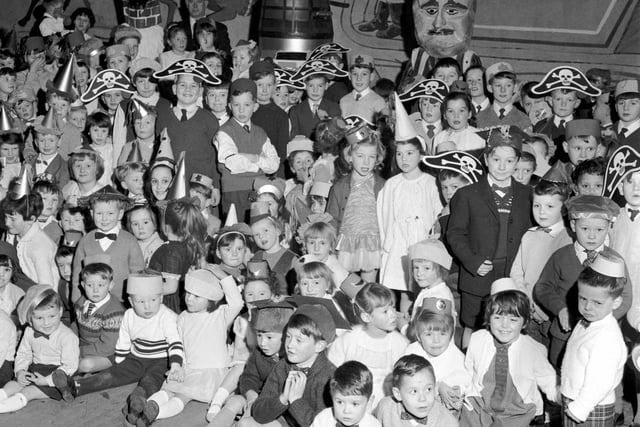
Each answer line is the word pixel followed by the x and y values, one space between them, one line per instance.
pixel 596 353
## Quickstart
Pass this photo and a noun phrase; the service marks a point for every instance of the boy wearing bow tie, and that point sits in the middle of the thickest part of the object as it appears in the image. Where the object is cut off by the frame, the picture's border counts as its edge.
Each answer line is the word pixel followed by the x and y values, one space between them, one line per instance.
pixel 107 209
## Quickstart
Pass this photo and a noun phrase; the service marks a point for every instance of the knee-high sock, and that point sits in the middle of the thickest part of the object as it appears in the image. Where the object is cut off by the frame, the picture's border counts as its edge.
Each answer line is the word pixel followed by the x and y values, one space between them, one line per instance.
pixel 220 396
pixel 171 408
pixel 13 403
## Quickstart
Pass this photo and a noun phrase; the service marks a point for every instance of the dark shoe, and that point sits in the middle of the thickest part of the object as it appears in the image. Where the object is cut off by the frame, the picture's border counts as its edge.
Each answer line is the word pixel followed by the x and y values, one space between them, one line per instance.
pixel 390 33
pixel 64 384
pixel 619 419
pixel 136 401
pixel 373 25
pixel 149 414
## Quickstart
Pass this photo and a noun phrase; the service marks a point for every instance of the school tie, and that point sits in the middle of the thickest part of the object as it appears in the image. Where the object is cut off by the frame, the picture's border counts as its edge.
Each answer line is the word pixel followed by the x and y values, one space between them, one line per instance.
pixel 591 256
pixel 623 132
pixel 247 128
pixel 110 236
pixel 92 306
pixel 633 213
pixel 431 131
pixel 408 417
pixel 501 368
pixel 561 124
pixel 314 109
pixel 358 96
pixel 184 117
pixel 545 229
pixel 502 111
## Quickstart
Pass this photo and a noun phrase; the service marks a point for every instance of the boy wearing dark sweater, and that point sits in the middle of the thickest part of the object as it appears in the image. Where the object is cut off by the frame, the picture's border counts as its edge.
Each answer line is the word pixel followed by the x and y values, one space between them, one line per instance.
pixel 298 387
pixel 98 316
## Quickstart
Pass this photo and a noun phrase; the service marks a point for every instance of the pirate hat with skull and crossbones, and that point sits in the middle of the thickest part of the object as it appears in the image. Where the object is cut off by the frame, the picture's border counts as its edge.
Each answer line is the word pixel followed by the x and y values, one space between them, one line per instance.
pixel 461 162
pixel 188 67
pixel 108 80
pixel 623 161
pixel 355 121
pixel 431 88
pixel 317 67
pixel 283 78
pixel 566 77
pixel 326 49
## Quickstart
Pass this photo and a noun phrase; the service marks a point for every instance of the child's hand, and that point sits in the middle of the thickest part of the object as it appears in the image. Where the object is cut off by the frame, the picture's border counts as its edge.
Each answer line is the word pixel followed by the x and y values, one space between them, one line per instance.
pixel 451 396
pixel 568 413
pixel 176 373
pixel 563 318
pixel 485 268
pixel 298 383
pixel 284 397
pixel 253 158
pixel 215 197
pixel 37 379
pixel 22 378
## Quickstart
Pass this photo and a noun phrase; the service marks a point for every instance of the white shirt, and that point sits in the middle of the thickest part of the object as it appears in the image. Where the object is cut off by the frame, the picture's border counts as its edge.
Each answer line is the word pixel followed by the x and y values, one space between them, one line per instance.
pixel 268 160
pixel 106 242
pixel 631 127
pixel 496 108
pixel 36 254
pixel 557 120
pixel 43 162
pixel 483 105
pixel 592 366
pixel 326 419
pixel 448 367
pixel 96 306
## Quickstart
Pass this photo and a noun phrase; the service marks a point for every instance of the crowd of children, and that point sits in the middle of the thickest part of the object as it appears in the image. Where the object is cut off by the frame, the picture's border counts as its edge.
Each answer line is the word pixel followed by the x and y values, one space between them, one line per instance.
pixel 292 247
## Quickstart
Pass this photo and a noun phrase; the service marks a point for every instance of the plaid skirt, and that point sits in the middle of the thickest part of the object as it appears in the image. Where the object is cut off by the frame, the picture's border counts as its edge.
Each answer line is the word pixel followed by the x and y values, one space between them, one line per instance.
pixel 601 416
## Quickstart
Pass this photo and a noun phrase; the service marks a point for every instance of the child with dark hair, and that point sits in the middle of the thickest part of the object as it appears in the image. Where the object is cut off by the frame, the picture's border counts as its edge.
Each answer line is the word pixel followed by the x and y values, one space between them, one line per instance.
pixel 201 187
pixel 51 203
pixel 64 261
pixel 306 115
pixel 456 111
pixel 99 135
pixel 507 367
pixel 98 316
pixel 474 76
pixel 596 352
pixel 351 391
pixel 36 250
pixel 176 39
pixel 588 177
pixel 49 160
pixel 7 83
pixel 11 144
pixel 47 347
pixel 414 397
pixel 448 70
pixel 535 106
pixel 10 294
pixel 216 100
pixel 296 389
pixel 525 168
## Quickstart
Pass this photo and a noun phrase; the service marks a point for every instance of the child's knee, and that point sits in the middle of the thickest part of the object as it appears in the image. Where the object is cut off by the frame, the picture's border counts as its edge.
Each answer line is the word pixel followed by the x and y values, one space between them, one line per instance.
pixel 235 403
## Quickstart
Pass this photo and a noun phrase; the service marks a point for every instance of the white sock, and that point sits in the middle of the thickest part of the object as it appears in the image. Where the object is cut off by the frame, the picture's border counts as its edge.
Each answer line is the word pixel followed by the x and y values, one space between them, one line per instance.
pixel 3 394
pixel 220 396
pixel 171 408
pixel 160 397
pixel 13 403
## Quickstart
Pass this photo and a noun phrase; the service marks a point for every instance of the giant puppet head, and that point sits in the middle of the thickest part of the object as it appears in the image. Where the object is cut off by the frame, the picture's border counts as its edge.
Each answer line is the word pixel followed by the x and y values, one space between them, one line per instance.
pixel 444 27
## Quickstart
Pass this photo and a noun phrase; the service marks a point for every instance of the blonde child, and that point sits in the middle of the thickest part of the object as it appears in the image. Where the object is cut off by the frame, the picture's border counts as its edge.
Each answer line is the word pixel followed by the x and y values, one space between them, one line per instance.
pixel 430 265
pixel 142 223
pixel 10 294
pixel 201 187
pixel 408 206
pixel 376 343
pixel 130 176
pixel 319 243
pixel 177 40
pixel 434 328
pixel 47 346
pixel 507 367
pixel 86 168
pixel 203 330
pixel 456 110
pixel 352 202
pixel 186 230
pixel 244 55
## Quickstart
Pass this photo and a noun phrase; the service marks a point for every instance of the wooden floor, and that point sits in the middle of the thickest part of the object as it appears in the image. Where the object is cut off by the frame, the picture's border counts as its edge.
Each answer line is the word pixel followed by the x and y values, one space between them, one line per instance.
pixel 102 409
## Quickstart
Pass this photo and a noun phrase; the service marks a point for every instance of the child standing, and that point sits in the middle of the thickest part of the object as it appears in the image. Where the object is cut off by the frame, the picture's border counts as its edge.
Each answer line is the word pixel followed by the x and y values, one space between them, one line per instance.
pixel 580 143
pixel 142 223
pixel 216 99
pixel 537 246
pixel 430 264
pixel 86 169
pixel 407 206
pixel 186 230
pixel 428 120
pixel 351 388
pixel 49 161
pixel 507 366
pixel 144 128
pixel 107 209
pixel 130 177
pixel 244 149
pixel 377 343
pixel 47 347
pixel 99 130
pixel 487 220
pixel 201 187
pixel 434 329
pixel 203 330
pixel 414 397
pixel 362 101
pixel 596 352
pixel 10 143
pixel 51 202
pixel 456 109
pixel 244 55
pixel 295 389
pixel 98 315
pixel 627 96
pixel 177 41
pixel 352 202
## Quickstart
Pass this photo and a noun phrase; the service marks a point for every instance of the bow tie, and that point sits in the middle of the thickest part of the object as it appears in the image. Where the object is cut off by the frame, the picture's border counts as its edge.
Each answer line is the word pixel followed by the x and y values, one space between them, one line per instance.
pixel 633 213
pixel 41 162
pixel 408 417
pixel 585 323
pixel 110 236
pixel 545 229
pixel 38 334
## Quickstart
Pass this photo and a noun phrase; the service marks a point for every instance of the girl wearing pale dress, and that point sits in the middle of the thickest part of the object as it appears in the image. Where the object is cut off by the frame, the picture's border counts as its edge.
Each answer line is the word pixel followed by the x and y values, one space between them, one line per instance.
pixel 203 329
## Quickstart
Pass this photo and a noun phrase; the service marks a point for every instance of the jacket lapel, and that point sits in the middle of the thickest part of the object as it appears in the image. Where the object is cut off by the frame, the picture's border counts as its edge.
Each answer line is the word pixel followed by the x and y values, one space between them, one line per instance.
pixel 486 194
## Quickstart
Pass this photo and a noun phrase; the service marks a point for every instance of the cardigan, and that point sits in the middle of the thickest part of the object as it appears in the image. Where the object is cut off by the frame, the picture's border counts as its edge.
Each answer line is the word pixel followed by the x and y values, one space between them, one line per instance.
pixel 339 195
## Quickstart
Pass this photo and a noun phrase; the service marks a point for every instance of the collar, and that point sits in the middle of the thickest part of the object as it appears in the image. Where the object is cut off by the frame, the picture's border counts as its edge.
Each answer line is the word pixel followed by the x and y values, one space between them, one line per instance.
pixel 47 158
pixel 243 124
pixel 484 104
pixel 32 231
pixel 362 94
pixel 191 109
pixel 312 103
pixel 631 127
pixel 556 228
pixel 152 100
pixel 556 119
pixel 627 207
pixel 97 304
pixel 115 230
pixel 492 182
pixel 580 251
pixel 602 322
pixel 497 108
pixel 437 126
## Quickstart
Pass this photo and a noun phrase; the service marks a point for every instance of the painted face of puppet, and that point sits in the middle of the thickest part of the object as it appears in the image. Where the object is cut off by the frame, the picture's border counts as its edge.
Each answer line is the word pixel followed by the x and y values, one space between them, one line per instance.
pixel 444 27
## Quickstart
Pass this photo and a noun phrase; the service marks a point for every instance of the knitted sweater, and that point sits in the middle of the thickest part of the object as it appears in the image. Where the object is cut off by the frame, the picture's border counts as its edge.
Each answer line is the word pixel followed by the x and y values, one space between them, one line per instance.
pixel 98 332
pixel 256 372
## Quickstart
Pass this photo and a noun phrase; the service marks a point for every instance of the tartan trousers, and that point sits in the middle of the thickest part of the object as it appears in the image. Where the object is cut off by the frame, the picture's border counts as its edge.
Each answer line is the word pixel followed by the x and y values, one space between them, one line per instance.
pixel 601 416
